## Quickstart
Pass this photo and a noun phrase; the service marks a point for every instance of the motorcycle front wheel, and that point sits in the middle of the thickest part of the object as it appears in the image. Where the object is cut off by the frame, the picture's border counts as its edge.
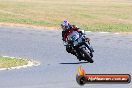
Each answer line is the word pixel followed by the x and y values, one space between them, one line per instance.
pixel 86 55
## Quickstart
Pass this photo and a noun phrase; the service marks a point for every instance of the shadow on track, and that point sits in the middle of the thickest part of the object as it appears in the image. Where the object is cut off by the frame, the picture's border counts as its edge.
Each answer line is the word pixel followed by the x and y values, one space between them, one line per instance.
pixel 75 63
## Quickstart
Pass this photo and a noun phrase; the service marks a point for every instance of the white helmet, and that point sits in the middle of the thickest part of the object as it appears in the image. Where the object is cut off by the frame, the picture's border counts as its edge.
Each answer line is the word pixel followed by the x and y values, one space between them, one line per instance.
pixel 65 25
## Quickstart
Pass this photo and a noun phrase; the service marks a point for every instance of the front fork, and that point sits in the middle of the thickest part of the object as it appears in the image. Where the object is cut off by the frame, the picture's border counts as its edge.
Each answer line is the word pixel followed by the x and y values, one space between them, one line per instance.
pixel 88 45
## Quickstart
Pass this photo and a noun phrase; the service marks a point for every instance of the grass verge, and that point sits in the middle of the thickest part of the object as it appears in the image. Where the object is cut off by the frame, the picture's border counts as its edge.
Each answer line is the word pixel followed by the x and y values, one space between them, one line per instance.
pixel 7 62
pixel 91 15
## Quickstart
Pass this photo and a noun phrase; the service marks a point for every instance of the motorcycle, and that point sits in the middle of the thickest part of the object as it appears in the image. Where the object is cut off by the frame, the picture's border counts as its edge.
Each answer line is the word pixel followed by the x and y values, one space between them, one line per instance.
pixel 79 46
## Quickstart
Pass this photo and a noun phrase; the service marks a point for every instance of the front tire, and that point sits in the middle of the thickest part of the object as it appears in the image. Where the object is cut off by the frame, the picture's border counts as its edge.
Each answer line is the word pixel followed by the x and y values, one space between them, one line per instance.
pixel 86 55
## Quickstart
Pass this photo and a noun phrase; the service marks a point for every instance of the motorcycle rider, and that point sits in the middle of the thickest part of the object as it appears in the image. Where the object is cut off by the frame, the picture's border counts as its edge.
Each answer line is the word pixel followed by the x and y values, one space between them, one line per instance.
pixel 67 29
pixel 65 26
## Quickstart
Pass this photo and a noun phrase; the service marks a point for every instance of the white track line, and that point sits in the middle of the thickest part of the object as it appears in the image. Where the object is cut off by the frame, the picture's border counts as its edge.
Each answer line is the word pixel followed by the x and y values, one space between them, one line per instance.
pixel 104 32
pixel 117 33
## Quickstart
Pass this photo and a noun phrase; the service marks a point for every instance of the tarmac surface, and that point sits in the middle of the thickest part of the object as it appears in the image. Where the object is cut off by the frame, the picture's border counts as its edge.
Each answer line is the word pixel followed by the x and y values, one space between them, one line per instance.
pixel 57 69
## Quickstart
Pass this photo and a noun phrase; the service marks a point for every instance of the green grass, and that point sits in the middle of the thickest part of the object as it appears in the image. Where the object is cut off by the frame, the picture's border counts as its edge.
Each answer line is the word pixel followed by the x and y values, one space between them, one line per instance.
pixel 92 15
pixel 109 27
pixel 6 62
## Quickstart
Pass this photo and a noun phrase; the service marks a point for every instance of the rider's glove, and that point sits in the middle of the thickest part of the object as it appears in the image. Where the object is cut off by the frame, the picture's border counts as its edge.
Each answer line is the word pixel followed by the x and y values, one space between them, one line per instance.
pixel 80 32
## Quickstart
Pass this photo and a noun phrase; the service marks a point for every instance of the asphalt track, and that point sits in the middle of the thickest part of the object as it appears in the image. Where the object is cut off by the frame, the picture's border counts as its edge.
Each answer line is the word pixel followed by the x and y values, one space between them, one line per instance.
pixel 57 69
